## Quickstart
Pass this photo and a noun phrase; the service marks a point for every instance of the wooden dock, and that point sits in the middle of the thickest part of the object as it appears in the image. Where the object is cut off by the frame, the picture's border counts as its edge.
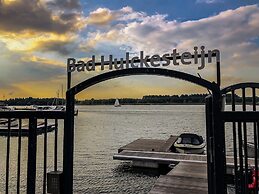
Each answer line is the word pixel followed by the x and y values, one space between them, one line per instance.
pixel 24 131
pixel 189 173
pixel 156 145
pixel 185 178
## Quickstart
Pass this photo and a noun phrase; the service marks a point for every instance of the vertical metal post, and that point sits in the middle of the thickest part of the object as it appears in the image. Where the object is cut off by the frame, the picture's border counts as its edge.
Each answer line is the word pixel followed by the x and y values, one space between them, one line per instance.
pixel 32 150
pixel 219 145
pixel 7 158
pixel 245 141
pixel 241 169
pixel 56 146
pixel 68 146
pixel 218 74
pixel 209 140
pixel 233 102
pixel 68 80
pixel 19 156
pixel 255 142
pixel 45 155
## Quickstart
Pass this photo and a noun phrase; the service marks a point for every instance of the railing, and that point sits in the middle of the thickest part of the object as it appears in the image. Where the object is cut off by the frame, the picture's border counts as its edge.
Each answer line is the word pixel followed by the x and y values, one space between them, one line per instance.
pixel 242 135
pixel 32 128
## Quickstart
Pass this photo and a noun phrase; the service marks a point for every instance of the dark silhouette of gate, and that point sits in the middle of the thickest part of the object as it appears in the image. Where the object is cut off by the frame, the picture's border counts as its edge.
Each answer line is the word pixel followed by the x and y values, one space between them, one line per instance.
pixel 241 122
pixel 217 120
pixel 215 129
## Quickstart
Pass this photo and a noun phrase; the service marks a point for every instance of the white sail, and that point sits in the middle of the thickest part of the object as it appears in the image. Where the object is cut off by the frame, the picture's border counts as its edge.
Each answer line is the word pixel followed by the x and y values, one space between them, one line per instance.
pixel 117 103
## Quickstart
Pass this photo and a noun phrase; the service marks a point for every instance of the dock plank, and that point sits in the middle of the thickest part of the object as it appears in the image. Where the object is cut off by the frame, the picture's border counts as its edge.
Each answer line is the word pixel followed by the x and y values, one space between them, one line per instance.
pixel 185 177
pixel 160 157
pixel 144 145
pixel 170 157
pixel 168 144
pixel 156 145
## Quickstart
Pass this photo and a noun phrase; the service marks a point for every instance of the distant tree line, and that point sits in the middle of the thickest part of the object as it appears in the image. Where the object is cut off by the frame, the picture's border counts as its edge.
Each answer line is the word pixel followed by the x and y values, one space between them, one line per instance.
pixel 239 100
pixel 148 99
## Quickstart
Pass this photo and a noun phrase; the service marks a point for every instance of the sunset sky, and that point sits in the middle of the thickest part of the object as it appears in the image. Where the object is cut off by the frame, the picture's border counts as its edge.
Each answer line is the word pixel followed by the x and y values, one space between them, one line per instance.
pixel 37 37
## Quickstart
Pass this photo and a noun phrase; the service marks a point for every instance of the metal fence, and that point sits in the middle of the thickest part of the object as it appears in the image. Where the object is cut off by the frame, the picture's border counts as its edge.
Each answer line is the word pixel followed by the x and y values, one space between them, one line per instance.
pixel 241 125
pixel 20 174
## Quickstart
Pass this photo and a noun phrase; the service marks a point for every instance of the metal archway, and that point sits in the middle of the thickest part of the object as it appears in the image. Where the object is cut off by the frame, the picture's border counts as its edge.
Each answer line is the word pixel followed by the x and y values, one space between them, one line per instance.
pixel 70 97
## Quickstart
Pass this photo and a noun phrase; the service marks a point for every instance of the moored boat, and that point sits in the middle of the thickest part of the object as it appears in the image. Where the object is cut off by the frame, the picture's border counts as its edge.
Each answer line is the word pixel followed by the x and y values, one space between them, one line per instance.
pixel 189 143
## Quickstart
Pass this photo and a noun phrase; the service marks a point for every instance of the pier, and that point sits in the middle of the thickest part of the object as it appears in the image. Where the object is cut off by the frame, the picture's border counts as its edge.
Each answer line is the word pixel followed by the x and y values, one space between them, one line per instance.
pixel 184 178
pixel 188 173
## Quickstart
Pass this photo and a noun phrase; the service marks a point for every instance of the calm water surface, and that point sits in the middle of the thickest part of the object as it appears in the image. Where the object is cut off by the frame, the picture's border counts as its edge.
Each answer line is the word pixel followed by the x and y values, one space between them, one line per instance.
pixel 99 132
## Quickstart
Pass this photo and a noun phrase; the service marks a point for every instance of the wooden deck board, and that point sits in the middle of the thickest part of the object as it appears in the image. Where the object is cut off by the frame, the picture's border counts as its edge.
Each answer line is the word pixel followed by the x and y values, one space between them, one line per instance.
pixel 160 157
pixel 168 144
pixel 184 178
pixel 196 170
pixel 170 157
pixel 156 145
pixel 144 145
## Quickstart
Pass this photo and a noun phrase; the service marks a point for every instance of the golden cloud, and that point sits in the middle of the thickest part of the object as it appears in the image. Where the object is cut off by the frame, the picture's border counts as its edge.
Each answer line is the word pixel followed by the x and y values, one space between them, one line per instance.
pixel 97 37
pixel 41 60
pixel 101 16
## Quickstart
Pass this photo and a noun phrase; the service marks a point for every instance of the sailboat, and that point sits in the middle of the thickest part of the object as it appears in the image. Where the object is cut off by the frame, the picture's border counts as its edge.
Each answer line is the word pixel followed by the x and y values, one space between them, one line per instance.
pixel 117 103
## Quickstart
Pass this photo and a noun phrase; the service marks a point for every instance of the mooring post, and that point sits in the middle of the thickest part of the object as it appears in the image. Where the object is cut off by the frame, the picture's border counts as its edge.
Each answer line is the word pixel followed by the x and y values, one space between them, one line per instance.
pixel 68 146
pixel 32 150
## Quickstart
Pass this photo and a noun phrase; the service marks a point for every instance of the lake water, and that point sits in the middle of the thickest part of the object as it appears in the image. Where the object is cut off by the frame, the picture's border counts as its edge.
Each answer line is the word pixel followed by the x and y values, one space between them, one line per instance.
pixel 99 132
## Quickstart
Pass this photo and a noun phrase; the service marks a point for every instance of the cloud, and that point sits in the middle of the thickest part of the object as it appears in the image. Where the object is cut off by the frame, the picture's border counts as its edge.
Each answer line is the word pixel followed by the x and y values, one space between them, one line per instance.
pixel 62 47
pixel 208 1
pixel 104 16
pixel 65 4
pixel 101 16
pixel 36 53
pixel 18 68
pixel 33 15
pixel 231 31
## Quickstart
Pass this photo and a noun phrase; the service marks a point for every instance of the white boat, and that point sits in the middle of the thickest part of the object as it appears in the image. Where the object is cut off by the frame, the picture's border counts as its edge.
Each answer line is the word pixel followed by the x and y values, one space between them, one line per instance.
pixel 117 103
pixel 189 143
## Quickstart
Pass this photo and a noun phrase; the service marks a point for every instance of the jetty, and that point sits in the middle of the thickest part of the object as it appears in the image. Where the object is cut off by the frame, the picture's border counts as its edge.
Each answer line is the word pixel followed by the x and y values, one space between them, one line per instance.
pixel 187 172
pixel 24 129
pixel 184 178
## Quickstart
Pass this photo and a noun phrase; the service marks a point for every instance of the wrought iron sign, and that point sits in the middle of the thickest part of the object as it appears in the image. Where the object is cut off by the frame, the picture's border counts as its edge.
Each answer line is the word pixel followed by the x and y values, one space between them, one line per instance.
pixel 146 61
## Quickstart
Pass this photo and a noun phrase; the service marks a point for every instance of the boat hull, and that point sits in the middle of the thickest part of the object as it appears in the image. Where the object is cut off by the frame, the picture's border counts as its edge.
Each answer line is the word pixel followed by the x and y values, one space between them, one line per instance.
pixel 190 150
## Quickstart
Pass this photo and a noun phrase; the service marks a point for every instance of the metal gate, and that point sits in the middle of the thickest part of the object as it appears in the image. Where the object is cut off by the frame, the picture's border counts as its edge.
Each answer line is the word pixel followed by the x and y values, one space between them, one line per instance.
pixel 232 139
pixel 69 121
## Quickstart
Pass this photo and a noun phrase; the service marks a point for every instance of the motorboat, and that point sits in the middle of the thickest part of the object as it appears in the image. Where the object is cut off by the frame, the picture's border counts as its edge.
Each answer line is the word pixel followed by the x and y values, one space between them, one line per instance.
pixel 54 108
pixel 189 143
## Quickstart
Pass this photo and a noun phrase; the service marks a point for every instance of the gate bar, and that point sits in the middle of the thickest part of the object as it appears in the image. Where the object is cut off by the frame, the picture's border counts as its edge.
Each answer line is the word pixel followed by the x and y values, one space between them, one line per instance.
pixel 32 150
